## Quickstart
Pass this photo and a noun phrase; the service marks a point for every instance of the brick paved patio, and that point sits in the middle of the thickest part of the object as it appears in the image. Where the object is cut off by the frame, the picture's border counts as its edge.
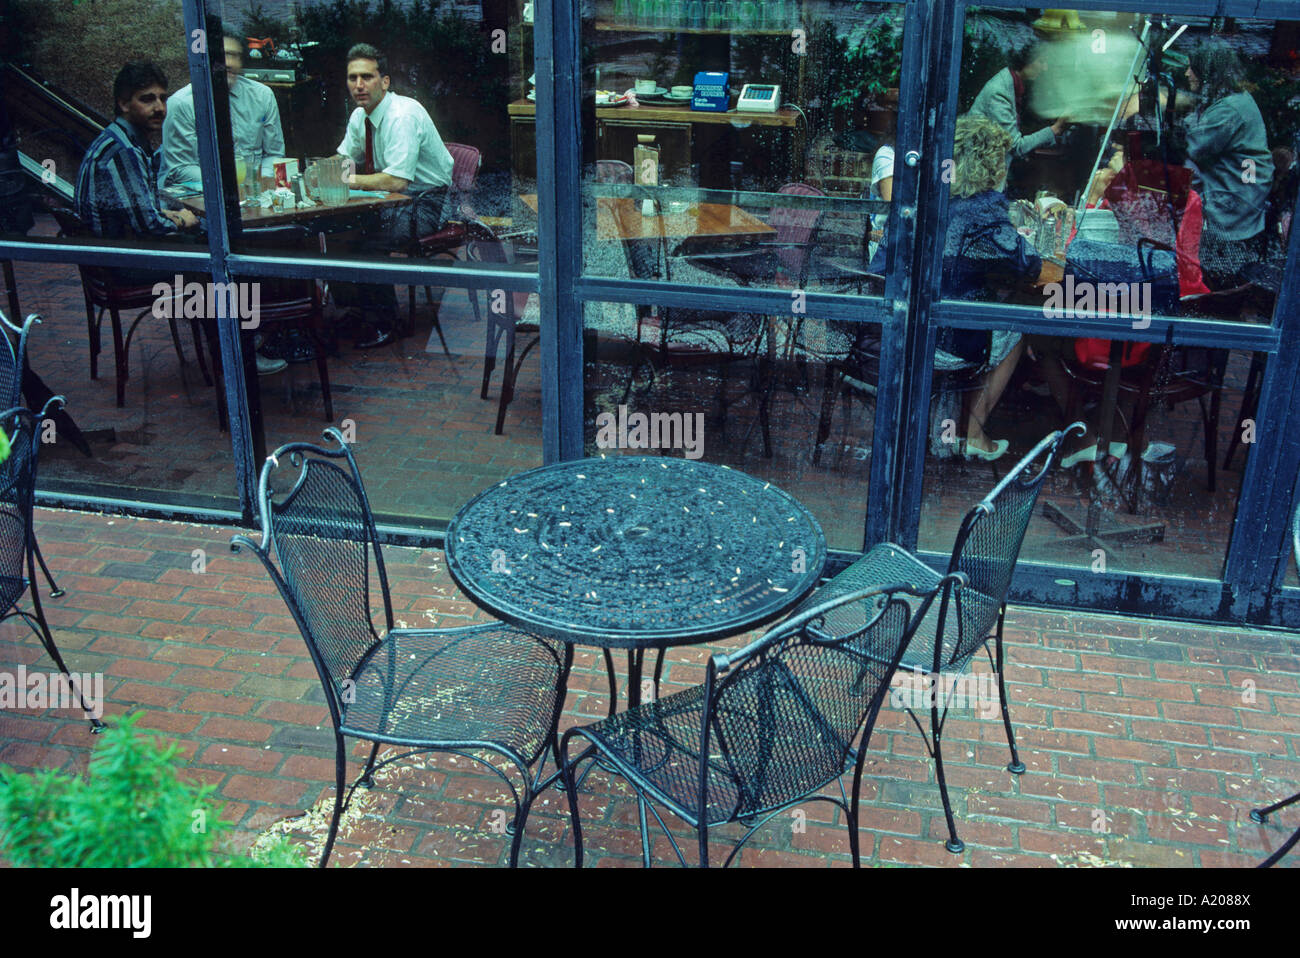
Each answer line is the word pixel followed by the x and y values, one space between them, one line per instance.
pixel 1137 727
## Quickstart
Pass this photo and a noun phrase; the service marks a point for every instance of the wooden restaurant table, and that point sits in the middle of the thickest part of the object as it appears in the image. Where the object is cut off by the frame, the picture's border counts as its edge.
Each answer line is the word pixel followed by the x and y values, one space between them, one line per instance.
pixel 256 216
pixel 619 218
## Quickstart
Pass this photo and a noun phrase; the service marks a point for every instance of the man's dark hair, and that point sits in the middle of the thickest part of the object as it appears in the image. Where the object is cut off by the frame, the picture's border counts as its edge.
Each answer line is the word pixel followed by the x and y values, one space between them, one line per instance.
pixel 364 51
pixel 134 77
pixel 231 34
pixel 1021 57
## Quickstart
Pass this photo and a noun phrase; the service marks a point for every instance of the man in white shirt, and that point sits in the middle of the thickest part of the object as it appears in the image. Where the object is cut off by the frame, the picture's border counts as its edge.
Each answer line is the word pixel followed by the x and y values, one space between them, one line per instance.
pixel 254 116
pixel 390 137
pixel 396 148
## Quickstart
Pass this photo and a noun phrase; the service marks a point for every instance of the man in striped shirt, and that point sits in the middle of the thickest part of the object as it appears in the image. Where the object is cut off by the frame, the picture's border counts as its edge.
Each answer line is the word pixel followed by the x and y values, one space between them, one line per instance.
pixel 117 185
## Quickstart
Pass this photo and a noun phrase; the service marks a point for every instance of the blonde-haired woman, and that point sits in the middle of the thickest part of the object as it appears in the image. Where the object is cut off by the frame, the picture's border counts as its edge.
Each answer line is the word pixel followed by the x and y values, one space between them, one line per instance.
pixel 983 255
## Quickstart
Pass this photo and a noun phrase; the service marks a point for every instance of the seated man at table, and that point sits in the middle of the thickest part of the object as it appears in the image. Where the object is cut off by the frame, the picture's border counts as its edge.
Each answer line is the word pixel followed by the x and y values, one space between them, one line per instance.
pixel 254 118
pixel 396 149
pixel 117 185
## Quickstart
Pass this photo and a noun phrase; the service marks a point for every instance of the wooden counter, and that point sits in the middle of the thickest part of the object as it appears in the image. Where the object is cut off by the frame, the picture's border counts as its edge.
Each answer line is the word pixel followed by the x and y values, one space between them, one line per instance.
pixel 673 113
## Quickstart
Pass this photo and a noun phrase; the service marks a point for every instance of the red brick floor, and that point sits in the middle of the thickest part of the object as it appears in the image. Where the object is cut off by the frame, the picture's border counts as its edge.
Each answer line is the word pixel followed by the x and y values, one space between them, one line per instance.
pixel 1147 742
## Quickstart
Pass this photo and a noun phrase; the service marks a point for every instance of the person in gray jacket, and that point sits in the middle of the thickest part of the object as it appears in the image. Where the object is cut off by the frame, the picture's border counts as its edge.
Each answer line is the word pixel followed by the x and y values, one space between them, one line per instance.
pixel 1003 96
pixel 254 116
pixel 1227 143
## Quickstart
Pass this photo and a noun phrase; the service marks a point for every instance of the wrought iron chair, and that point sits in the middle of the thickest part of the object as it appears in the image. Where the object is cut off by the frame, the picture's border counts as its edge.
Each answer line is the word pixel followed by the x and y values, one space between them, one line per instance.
pixel 292 308
pixel 985 553
pixel 772 725
pixel 13 361
pixel 17 540
pixel 1259 814
pixel 683 336
pixel 480 688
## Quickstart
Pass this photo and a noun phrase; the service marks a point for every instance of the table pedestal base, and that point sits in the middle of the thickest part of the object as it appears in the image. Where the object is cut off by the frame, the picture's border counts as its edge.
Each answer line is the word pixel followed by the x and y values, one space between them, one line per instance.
pixel 1092 532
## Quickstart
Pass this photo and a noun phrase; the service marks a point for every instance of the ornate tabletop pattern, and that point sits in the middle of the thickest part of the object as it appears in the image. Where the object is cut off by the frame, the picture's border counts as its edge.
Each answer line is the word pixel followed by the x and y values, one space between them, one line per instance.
pixel 634 551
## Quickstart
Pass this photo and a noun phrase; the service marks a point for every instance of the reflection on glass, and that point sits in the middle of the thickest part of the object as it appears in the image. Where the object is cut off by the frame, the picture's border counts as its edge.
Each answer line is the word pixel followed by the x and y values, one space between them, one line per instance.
pixel 1150 161
pixel 789 399
pixel 1153 484
pixel 745 113
pixel 438 415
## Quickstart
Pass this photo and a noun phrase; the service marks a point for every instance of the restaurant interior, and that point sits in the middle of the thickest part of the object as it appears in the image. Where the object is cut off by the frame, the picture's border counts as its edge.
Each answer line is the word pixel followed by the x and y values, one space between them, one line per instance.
pixel 733 144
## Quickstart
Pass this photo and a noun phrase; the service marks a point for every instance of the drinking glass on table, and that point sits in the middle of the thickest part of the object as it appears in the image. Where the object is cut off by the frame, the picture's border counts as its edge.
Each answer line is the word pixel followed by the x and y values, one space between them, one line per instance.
pixel 248 168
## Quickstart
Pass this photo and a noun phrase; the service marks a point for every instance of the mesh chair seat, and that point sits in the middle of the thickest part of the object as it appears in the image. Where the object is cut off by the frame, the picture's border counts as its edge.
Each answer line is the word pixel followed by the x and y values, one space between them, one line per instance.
pixel 474 684
pixel 798 750
pixel 11 590
pixel 773 724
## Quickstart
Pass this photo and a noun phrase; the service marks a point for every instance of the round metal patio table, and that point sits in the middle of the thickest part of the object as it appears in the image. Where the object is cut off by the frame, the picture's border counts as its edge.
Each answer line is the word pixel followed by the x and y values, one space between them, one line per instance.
pixel 635 552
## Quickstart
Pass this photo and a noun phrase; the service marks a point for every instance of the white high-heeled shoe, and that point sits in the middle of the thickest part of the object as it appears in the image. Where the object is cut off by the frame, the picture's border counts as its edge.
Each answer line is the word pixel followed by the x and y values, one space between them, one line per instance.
pixel 1117 449
pixel 1000 447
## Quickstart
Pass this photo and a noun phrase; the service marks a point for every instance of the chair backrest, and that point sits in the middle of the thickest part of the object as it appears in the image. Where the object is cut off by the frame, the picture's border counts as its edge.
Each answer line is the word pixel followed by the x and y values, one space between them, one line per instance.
pixel 18 487
pixel 482 245
pixel 465 163
pixel 322 534
pixel 13 357
pixel 795 227
pixel 784 712
pixel 613 171
pixel 988 545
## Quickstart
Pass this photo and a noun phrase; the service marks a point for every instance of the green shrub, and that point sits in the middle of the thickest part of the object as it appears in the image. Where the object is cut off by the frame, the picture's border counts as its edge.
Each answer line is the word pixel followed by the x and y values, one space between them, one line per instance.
pixel 132 810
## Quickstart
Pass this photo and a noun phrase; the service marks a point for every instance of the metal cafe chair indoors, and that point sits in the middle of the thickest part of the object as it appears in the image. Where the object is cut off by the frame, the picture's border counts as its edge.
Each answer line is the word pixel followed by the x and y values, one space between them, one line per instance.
pixel 468 691
pixel 13 361
pixel 773 724
pixel 17 541
pixel 985 553
pixel 466 161
pixel 482 245
pixel 1258 815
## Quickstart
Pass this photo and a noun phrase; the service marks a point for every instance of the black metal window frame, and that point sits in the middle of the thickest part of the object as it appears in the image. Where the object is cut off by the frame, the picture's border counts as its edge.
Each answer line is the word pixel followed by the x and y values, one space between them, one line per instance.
pixel 909 313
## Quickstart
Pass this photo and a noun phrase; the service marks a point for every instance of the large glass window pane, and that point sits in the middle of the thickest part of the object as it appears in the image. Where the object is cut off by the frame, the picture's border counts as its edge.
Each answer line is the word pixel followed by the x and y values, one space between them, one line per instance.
pixel 791 401
pixel 1114 163
pixel 165 440
pixel 425 413
pixel 1159 498
pixel 85 95
pixel 396 124
pixel 753 140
